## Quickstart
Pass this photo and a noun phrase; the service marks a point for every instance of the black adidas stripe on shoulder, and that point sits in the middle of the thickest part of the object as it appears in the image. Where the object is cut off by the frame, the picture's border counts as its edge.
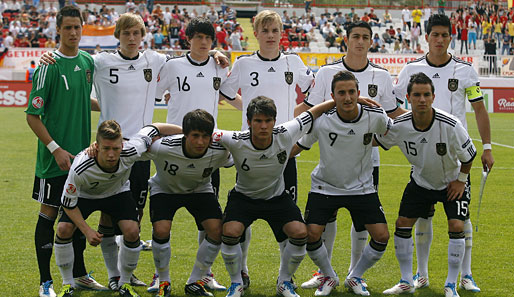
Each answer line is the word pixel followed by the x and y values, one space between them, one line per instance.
pixel 331 111
pixel 84 166
pixel 417 60
pixel 461 61
pixel 217 146
pixel 246 55
pixel 403 118
pixel 372 109
pixel 279 130
pixel 168 141
pixel 334 63
pixel 128 152
pixel 171 57
pixel 241 136
pixel 446 120
pixel 289 53
pixel 377 66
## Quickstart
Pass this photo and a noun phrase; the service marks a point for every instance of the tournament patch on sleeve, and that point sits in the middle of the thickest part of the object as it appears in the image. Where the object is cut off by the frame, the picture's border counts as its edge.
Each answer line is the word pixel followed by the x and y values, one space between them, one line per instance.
pixel 474 93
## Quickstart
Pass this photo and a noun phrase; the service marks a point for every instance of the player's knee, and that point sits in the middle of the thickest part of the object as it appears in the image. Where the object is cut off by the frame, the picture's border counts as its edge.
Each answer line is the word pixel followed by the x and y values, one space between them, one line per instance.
pixel 382 236
pixel 161 230
pixel 404 222
pixel 313 234
pixel 296 229
pixel 233 229
pixel 65 230
pixel 213 229
pixel 455 226
pixel 131 232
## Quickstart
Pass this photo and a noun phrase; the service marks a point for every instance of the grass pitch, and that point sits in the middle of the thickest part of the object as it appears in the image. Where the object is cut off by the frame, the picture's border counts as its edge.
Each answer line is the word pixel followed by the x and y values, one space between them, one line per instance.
pixel 492 249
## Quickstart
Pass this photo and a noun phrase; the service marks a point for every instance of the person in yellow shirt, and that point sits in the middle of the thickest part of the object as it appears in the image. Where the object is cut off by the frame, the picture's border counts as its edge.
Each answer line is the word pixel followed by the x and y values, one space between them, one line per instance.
pixel 416 17
pixel 510 29
pixel 486 26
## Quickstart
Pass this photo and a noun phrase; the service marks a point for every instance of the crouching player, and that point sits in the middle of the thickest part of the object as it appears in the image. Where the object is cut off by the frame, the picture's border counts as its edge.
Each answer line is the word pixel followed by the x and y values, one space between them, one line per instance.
pixel 184 164
pixel 101 183
pixel 345 136
pixel 441 153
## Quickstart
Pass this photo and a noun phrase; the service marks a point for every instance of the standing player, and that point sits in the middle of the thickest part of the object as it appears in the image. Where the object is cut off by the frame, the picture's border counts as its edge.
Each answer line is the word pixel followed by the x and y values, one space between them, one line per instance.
pixel 441 153
pixel 260 156
pixel 375 83
pixel 60 116
pixel 193 81
pixel 345 131
pixel 101 183
pixel 454 79
pixel 184 165
pixel 274 74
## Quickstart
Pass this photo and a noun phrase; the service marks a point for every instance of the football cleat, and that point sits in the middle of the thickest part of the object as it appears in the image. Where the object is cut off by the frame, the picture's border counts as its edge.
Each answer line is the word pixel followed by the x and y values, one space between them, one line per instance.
pixel 146 245
pixel 164 290
pixel 136 282
pixel 127 291
pixel 420 281
pixel 286 289
pixel 47 289
pixel 210 283
pixel 450 290
pixel 113 283
pixel 400 288
pixel 88 282
pixel 246 279
pixel 235 290
pixel 468 283
pixel 197 289
pixel 66 291
pixel 327 285
pixel 314 282
pixel 154 285
pixel 355 285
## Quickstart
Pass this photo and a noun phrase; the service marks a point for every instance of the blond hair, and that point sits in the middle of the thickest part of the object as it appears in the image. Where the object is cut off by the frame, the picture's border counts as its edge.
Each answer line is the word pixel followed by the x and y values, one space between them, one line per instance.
pixel 265 18
pixel 109 129
pixel 129 20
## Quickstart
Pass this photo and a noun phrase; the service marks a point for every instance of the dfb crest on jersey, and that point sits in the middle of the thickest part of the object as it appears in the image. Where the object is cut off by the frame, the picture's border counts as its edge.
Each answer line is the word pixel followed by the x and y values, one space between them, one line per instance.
pixel 440 148
pixel 216 82
pixel 367 138
pixel 372 90
pixel 282 157
pixel 289 77
pixel 88 76
pixel 453 84
pixel 207 172
pixel 148 74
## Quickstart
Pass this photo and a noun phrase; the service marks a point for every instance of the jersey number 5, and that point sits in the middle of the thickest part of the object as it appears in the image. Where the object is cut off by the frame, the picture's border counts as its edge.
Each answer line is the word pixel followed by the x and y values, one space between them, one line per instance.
pixel 115 77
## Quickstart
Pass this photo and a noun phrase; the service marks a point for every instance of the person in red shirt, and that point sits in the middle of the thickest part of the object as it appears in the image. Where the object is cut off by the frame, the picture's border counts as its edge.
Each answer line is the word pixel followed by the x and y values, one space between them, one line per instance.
pixel 221 37
pixel 464 38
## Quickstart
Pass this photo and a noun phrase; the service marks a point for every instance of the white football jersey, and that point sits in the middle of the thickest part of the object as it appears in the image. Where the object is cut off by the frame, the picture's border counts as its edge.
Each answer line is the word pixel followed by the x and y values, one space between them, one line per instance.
pixel 178 174
pixel 125 88
pixel 345 166
pixel 86 179
pixel 374 82
pixel 451 82
pixel 259 172
pixel 191 85
pixel 436 154
pixel 276 79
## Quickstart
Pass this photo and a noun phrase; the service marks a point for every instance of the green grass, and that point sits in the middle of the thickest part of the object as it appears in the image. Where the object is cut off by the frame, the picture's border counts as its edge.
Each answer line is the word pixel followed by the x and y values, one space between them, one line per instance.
pixel 492 253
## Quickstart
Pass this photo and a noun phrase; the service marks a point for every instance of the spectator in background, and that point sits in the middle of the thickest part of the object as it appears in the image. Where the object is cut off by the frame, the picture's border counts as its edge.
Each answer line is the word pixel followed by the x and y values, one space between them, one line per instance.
pixel 427 12
pixel 406 49
pixel 498 32
pixel 386 37
pixel 50 43
pixel 374 48
pixel 330 40
pixel 339 19
pixel 34 39
pixel 235 40
pixel 472 34
pixel 244 43
pixel 415 32
pixel 416 17
pixel 8 40
pixel 98 49
pixel 406 17
pixel 490 52
pixel 387 17
pixel 418 49
pixel 464 39
pixel 373 18
pixel 511 50
pixel 365 18
pixel 158 39
pixel 453 22
pixel 383 49
pixel 506 43
pixel 397 48
pixel 30 71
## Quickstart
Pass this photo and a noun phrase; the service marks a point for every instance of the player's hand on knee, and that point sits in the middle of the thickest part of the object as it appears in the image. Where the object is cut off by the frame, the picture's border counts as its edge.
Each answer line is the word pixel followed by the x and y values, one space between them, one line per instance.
pixel 487 159
pixel 63 158
pixel 368 102
pixel 93 237
pixel 92 150
pixel 46 59
pixel 455 190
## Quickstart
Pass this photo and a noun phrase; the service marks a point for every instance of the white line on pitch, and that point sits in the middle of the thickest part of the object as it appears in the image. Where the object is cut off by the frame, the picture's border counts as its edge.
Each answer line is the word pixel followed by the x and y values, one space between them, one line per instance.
pixel 405 165
pixel 495 143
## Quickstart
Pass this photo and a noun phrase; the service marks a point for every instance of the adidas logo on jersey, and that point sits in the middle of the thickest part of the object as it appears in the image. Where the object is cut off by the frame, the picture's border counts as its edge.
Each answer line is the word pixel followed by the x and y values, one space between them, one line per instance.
pixel 263 157
pixel 271 69
pixel 132 67
pixel 191 165
pixel 424 140
pixel 351 132
pixel 199 75
pixel 436 75
pixel 77 68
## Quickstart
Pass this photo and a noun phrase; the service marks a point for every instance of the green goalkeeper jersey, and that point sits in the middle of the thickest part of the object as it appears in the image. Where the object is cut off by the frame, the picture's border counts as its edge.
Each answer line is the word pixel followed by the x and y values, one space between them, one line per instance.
pixel 61 97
